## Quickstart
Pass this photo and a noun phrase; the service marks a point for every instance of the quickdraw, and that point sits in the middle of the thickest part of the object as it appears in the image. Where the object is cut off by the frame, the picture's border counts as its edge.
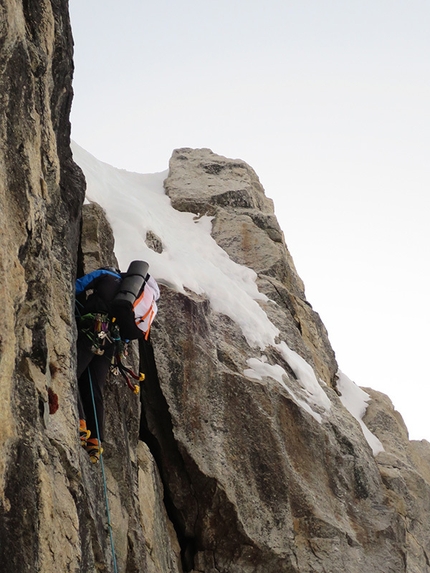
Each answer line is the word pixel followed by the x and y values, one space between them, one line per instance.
pixel 118 368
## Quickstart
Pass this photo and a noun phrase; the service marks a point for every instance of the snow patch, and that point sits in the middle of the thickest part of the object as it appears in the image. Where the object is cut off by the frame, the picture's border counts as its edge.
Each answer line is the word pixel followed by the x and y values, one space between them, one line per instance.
pixel 259 368
pixel 355 401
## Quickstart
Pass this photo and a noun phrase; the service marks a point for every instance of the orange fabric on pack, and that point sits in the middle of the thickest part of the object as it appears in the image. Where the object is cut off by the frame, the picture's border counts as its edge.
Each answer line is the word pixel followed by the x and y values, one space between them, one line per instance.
pixel 145 309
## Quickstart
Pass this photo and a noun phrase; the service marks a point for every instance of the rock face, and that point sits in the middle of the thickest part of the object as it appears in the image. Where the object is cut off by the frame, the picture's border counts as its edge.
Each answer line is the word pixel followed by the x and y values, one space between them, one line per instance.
pixel 265 487
pixel 52 512
pixel 404 468
pixel 215 470
pixel 41 192
pixel 245 226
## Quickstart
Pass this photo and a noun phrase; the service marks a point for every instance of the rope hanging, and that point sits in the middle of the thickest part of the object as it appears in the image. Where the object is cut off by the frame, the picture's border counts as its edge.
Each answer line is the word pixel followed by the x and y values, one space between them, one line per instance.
pixel 115 567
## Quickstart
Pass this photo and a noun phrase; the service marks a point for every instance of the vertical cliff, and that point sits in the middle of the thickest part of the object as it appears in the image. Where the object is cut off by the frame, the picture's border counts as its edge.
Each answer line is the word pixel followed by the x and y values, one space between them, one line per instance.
pixel 41 192
pixel 240 456
pixel 52 507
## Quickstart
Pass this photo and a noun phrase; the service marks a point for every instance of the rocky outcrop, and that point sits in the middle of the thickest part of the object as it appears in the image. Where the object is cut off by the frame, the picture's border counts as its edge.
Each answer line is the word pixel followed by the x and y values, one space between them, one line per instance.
pixel 255 482
pixel 224 466
pixel 97 242
pixel 405 471
pixel 245 226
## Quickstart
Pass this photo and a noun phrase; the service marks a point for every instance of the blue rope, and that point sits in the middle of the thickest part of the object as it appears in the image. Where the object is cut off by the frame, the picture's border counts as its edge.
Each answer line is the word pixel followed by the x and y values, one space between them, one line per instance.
pixel 112 545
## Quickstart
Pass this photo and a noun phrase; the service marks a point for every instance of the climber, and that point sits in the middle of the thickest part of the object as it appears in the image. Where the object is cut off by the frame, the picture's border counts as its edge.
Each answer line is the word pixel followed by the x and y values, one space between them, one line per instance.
pixel 98 296
pixel 94 352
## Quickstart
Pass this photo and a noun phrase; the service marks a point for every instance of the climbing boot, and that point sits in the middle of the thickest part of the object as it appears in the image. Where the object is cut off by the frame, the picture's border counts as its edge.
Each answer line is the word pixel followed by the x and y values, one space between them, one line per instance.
pixel 94 450
pixel 84 434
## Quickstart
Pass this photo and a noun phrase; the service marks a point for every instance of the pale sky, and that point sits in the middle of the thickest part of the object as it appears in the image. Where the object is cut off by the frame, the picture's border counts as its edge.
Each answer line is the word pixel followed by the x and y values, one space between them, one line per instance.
pixel 329 101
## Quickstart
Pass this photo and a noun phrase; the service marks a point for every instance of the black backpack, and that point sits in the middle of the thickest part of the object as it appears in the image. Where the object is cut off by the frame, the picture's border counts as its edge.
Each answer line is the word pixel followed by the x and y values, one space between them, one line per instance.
pixel 122 307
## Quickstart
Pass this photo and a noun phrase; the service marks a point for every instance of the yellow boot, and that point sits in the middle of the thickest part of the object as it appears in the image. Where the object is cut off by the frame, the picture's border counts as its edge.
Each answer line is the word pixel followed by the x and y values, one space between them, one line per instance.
pixel 94 449
pixel 84 434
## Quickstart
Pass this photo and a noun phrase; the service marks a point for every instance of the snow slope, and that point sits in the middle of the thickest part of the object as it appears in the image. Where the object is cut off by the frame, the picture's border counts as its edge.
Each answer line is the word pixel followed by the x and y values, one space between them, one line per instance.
pixel 135 204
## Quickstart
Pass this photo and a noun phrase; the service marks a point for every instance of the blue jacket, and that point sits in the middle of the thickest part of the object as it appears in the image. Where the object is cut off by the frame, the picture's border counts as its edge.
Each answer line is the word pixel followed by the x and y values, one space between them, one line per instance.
pixel 104 283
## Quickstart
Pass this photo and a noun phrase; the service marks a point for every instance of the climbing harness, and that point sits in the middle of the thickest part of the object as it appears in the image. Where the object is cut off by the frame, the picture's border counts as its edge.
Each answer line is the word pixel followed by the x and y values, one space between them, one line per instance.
pixel 112 544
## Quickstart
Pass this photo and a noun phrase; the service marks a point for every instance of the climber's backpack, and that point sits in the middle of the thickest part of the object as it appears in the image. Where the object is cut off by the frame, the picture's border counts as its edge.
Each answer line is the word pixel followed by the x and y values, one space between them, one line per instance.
pixel 133 308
